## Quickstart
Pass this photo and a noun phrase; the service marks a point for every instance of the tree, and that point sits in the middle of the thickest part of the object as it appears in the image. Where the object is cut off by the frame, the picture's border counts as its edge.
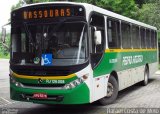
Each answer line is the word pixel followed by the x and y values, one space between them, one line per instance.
pixel 36 1
pixel 3 50
pixel 21 3
pixel 140 3
pixel 124 7
pixel 150 13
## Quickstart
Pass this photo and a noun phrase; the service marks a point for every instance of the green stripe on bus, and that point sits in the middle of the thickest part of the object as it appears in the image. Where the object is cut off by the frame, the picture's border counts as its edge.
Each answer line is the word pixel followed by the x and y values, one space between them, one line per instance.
pixel 119 61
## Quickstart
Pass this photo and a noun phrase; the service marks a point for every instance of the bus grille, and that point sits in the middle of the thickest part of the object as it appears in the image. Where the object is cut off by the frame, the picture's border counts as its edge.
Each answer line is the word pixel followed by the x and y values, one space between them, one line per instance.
pixel 42 85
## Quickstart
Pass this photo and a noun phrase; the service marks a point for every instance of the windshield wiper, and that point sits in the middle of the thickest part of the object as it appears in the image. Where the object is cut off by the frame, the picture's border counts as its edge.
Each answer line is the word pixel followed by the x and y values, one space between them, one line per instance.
pixel 80 44
pixel 29 34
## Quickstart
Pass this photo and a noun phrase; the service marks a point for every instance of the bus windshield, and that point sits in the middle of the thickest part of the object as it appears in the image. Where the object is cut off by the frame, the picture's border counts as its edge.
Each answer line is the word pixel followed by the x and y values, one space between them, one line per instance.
pixel 54 44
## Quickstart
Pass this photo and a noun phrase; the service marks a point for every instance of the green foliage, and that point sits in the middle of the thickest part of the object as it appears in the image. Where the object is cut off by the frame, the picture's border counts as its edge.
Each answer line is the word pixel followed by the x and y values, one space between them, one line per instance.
pixel 37 1
pixel 4 52
pixel 124 7
pixel 150 14
pixel 19 4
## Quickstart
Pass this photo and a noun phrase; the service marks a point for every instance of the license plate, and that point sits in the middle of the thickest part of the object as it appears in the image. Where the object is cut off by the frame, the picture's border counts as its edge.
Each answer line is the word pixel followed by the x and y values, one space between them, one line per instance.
pixel 40 95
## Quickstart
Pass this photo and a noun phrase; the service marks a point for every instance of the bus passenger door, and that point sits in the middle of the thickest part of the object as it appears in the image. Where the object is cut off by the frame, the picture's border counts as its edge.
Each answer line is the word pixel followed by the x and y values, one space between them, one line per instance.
pixel 96 54
pixel 97 39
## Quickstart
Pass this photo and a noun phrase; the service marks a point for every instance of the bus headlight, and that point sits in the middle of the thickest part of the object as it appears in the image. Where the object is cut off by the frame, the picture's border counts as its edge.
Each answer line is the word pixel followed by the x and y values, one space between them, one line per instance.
pixel 13 81
pixel 73 84
pixel 18 84
pixel 76 82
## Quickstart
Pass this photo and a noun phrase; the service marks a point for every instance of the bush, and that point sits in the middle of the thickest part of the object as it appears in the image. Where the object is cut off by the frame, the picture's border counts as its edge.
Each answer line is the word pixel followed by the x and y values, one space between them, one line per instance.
pixel 4 52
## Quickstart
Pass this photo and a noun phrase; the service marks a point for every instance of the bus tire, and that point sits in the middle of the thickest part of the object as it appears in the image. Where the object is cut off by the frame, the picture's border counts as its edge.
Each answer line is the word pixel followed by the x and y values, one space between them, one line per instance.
pixel 146 76
pixel 112 92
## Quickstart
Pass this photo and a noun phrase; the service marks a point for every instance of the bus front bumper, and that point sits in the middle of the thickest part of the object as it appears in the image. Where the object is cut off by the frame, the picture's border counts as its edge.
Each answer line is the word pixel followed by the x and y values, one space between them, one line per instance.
pixel 77 95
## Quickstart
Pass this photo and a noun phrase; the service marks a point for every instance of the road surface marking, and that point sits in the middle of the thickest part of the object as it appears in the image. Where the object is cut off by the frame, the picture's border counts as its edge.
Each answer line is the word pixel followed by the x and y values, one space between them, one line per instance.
pixel 6 100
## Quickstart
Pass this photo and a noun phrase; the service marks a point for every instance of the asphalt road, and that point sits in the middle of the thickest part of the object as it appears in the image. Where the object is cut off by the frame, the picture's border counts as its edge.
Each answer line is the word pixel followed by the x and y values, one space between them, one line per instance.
pixel 134 97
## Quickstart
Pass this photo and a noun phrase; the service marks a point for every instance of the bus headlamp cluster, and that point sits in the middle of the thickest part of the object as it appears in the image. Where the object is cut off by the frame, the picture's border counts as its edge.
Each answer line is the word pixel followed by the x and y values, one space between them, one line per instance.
pixel 76 82
pixel 13 81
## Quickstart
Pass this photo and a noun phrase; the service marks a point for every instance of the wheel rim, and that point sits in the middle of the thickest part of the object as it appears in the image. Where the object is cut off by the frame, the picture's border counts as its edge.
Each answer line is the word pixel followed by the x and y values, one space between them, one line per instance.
pixel 110 89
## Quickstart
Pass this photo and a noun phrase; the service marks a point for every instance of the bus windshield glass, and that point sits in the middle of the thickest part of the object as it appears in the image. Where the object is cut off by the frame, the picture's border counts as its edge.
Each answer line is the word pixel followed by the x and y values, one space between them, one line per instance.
pixel 53 44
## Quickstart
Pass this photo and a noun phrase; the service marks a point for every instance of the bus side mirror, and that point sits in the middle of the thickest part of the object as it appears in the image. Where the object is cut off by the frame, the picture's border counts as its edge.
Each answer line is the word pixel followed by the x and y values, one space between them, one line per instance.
pixel 98 37
pixel 3 35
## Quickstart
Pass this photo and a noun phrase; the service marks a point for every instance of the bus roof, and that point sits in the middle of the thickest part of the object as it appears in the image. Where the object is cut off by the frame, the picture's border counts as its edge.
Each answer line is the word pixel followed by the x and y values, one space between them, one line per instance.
pixel 90 7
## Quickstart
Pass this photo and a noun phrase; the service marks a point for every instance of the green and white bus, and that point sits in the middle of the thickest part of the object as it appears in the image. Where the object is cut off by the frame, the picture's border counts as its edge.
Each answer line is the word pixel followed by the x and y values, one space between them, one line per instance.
pixel 77 53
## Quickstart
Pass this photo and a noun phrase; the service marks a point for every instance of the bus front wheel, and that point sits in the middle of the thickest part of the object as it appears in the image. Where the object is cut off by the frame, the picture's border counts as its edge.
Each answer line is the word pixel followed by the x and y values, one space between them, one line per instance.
pixel 112 92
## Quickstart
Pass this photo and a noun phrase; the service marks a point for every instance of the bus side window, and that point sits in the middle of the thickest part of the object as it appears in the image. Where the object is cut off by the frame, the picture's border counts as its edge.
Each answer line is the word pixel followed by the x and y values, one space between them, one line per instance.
pixel 126 35
pixel 152 39
pixel 148 38
pixel 135 37
pixel 143 41
pixel 155 39
pixel 113 33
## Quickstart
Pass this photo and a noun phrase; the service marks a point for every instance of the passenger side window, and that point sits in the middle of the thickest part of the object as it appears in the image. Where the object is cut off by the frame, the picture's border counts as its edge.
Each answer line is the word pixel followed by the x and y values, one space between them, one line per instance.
pixel 126 35
pixel 143 39
pixel 113 33
pixel 152 39
pixel 135 37
pixel 155 37
pixel 148 38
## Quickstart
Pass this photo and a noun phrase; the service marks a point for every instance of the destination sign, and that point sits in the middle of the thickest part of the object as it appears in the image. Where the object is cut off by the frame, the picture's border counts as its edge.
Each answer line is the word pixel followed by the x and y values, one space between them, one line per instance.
pixel 52 12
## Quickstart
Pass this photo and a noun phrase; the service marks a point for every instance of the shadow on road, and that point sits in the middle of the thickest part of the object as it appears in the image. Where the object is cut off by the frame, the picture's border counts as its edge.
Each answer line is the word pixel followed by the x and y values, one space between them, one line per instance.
pixel 64 109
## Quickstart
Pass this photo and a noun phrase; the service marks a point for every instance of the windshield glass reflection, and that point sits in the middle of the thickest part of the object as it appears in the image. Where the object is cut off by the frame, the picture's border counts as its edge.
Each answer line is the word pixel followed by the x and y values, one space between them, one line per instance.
pixel 58 44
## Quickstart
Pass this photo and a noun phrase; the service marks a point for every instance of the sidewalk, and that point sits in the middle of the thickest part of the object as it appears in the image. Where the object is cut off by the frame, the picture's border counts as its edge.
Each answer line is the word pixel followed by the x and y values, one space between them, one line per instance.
pixel 4 69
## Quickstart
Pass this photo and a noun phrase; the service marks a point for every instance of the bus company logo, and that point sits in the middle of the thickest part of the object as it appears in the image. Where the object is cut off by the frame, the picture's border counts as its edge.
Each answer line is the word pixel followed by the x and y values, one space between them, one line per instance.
pixel 129 60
